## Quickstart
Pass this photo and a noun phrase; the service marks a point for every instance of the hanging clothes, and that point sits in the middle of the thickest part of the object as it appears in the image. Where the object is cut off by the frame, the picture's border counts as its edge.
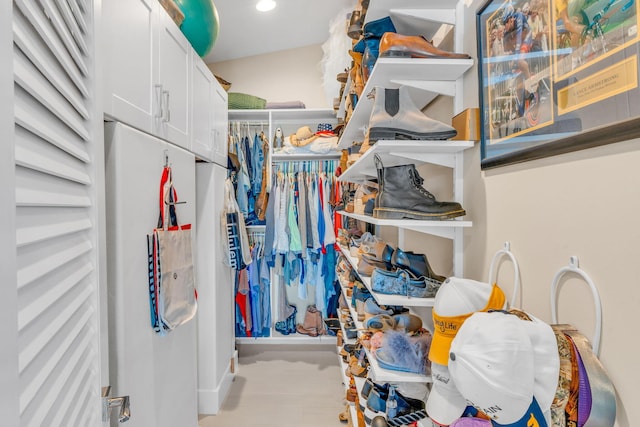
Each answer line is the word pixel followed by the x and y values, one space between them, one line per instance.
pixel 300 213
pixel 250 148
pixel 253 293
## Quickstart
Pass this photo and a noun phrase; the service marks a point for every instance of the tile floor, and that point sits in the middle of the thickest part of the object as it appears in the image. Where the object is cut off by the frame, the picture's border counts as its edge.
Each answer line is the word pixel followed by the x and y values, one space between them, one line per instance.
pixel 283 386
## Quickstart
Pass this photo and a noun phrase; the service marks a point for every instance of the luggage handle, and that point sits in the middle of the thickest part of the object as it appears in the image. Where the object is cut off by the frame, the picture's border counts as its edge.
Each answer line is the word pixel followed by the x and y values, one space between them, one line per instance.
pixel 506 252
pixel 574 267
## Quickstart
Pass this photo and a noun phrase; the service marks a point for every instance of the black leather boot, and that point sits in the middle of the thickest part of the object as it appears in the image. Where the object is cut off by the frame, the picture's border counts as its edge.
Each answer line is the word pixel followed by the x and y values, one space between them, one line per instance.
pixel 401 195
pixel 417 264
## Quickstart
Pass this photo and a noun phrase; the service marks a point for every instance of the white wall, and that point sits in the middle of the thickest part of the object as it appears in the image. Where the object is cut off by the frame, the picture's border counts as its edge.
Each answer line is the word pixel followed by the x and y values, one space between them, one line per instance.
pixel 289 75
pixel 582 203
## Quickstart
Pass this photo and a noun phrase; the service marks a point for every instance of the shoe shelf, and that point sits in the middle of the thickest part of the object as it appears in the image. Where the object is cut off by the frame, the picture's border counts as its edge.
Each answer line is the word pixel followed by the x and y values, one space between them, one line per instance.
pixel 394 153
pixel 429 77
pixel 383 299
pixel 448 229
pixel 381 375
pixel 427 15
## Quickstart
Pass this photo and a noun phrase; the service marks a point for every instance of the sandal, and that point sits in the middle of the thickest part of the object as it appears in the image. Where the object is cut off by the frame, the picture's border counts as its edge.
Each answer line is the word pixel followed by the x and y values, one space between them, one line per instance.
pixel 344 415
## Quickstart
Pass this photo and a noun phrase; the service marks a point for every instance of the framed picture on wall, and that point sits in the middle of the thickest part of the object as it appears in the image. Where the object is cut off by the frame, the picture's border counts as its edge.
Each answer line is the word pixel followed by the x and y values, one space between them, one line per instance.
pixel 556 76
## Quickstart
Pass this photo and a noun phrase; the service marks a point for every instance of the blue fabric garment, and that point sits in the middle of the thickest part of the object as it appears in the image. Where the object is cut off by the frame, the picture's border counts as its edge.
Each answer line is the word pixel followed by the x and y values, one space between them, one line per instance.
pixel 265 291
pixel 329 273
pixel 257 163
pixel 243 182
pixel 254 287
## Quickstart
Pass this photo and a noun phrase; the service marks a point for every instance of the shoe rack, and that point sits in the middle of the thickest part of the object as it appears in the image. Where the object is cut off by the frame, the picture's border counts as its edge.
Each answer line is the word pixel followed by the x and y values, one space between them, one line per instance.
pixel 443 153
pixel 428 79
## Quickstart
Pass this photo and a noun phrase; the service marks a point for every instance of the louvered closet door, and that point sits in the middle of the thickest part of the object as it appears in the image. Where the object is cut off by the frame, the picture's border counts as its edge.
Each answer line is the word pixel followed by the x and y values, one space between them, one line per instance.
pixel 57 186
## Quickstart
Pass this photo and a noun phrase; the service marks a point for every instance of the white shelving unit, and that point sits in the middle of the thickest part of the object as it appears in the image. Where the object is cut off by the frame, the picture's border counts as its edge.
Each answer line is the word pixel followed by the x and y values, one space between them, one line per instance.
pixel 427 79
pixel 289 120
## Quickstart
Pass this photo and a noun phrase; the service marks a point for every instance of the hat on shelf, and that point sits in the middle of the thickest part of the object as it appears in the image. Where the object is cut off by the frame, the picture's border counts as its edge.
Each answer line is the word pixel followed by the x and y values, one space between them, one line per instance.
pixel 325 129
pixel 456 300
pixel 445 404
pixel 507 367
pixel 302 137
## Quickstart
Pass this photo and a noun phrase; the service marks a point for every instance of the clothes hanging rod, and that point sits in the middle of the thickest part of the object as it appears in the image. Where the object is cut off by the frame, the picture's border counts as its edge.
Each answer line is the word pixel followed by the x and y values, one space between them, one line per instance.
pixel 242 122
pixel 281 158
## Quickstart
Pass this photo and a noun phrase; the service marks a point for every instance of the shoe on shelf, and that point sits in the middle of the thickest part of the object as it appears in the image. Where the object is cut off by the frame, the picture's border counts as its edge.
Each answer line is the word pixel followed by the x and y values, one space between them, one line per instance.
pixel 344 415
pixel 355 24
pixel 371 309
pixel 401 195
pixel 381 322
pixel 395 116
pixel 400 282
pixel 401 46
pixel 407 322
pixel 417 264
pixel 400 353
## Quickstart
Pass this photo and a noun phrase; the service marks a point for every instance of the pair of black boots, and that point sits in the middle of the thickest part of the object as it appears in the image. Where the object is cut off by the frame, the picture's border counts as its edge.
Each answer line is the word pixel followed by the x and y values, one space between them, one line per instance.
pixel 402 196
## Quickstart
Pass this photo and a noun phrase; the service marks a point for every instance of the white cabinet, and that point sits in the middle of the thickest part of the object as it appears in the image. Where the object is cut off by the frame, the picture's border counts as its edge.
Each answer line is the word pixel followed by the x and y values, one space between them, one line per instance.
pixel 203 112
pixel 174 65
pixel 129 71
pixel 146 70
pixel 209 121
pixel 220 124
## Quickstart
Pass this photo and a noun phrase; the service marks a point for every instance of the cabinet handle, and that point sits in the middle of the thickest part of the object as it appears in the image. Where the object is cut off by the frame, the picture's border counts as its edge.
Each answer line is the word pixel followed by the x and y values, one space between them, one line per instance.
pixel 167 111
pixel 158 94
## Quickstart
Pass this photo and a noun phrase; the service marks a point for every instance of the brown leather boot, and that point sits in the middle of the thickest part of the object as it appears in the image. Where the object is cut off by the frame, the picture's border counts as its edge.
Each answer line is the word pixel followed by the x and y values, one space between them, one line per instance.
pixel 398 45
pixel 357 83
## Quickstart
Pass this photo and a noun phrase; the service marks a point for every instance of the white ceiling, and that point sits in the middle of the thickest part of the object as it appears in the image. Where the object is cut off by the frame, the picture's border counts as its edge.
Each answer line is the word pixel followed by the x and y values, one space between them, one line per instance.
pixel 293 23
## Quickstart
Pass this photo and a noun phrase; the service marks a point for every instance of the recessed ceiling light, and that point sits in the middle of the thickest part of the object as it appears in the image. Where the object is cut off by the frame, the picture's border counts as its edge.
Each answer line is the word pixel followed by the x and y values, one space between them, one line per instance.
pixel 265 5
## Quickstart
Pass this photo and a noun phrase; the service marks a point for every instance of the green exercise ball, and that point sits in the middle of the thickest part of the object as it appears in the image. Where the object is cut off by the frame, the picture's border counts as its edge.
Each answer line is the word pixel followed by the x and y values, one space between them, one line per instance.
pixel 201 24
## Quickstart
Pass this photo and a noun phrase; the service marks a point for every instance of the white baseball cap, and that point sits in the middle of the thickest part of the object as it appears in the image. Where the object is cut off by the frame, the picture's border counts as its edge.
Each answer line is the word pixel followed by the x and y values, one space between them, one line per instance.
pixel 506 367
pixel 445 403
pixel 456 300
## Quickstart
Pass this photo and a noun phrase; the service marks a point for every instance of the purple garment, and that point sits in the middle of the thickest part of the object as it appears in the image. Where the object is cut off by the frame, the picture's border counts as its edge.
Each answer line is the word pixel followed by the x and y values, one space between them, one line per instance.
pixel 284 105
pixel 471 422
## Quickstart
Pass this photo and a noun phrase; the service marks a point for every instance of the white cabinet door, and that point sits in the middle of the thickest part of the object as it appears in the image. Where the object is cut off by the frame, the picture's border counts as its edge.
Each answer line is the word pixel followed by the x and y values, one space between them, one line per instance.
pixel 220 124
pixel 174 64
pixel 129 40
pixel 158 372
pixel 202 119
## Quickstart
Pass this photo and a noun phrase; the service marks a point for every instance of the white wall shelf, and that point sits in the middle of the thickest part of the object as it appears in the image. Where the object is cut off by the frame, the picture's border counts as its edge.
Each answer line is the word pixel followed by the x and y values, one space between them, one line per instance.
pixel 446 228
pixel 428 77
pixel 429 15
pixel 382 375
pixel 394 153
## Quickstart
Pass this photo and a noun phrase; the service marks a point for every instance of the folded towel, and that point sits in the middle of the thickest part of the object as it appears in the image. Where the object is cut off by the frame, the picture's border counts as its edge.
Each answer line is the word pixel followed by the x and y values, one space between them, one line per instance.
pixel 284 105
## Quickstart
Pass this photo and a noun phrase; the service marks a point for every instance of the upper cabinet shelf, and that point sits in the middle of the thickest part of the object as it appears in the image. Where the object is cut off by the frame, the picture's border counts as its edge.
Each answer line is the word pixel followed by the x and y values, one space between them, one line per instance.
pixel 428 77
